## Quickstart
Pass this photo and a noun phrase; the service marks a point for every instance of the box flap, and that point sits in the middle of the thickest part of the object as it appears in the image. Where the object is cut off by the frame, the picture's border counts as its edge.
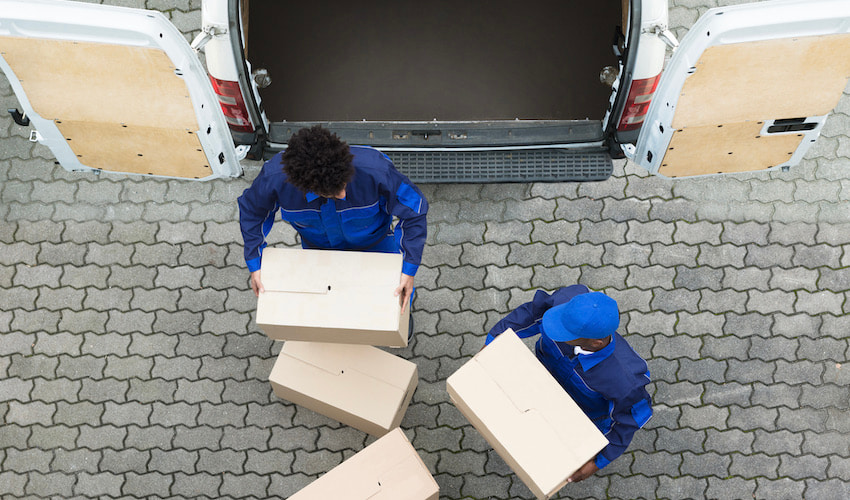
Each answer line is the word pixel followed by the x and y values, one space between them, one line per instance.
pixel 330 289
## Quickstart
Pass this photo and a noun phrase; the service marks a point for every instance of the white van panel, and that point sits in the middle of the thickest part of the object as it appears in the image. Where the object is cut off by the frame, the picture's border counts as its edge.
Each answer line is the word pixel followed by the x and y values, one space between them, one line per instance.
pixel 114 89
pixel 740 74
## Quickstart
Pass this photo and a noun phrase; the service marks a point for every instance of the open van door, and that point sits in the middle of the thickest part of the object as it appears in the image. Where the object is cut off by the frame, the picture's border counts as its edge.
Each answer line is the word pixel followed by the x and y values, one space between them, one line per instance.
pixel 113 89
pixel 748 89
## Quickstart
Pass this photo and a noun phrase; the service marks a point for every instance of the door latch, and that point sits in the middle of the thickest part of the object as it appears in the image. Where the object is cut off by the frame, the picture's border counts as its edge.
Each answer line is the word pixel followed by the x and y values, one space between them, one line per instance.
pixel 664 33
pixel 20 118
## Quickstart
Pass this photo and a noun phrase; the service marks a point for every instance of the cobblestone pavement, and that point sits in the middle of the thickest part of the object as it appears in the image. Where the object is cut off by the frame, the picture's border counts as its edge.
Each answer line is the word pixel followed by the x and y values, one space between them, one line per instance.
pixel 130 364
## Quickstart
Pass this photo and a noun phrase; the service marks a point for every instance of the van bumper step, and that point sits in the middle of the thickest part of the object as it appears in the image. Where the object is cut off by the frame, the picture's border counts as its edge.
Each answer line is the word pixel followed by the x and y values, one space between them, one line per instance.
pixel 517 165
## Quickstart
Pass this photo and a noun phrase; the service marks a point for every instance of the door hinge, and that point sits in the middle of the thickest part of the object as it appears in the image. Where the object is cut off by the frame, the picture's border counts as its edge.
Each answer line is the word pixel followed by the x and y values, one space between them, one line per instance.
pixel 207 33
pixel 664 33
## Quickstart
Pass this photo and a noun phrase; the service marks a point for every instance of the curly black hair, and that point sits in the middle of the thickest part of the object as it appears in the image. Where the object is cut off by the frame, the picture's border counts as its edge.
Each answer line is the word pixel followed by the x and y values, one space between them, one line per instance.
pixel 317 161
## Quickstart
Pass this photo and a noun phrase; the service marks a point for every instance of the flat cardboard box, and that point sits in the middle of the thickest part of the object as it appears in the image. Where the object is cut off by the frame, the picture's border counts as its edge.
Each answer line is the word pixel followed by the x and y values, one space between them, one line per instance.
pixel 388 469
pixel 358 385
pixel 334 296
pixel 524 414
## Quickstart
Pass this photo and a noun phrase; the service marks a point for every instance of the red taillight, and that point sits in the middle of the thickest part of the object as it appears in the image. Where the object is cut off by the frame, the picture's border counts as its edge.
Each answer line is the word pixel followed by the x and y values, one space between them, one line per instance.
pixel 232 105
pixel 637 104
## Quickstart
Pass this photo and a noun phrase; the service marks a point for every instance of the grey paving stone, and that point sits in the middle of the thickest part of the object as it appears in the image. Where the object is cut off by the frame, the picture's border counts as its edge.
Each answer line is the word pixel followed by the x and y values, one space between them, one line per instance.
pixel 19 253
pixel 35 321
pixel 580 254
pixel 171 461
pixel 674 255
pixel 14 436
pixel 456 234
pixel 29 367
pixel 197 485
pixel 197 437
pixel 148 391
pixel 581 209
pixel 775 395
pixel 128 368
pixel 46 485
pixel 458 278
pixel 44 390
pixel 815 256
pixel 102 436
pixel 725 347
pixel 130 322
pixel 78 413
pixel 680 440
pixel 33 232
pixel 799 371
pixel 100 391
pixel 745 233
pixel 803 467
pixel 53 436
pixel 13 482
pixel 128 460
pixel 747 325
pixel 141 484
pixel 130 277
pixel 837 420
pixel 603 232
pixel 801 419
pixel 825 396
pixel 197 391
pixel 178 277
pixel 730 488
pixel 149 438
pixel 76 460
pixel 16 389
pixel 316 462
pixel 180 367
pixel 629 209
pixel 753 418
pixel 824 444
pixel 728 441
pixel 675 300
pixel 170 415
pixel 552 278
pixel 774 348
pixel 768 256
pixel 705 417
pixel 132 232
pixel 123 414
pixel 249 391
pixel 697 278
pixel 153 255
pixel 55 299
pixel 727 394
pixel 28 460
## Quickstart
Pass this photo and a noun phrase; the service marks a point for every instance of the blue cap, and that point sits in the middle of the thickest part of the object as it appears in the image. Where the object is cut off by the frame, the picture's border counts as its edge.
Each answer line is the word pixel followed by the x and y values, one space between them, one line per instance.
pixel 592 315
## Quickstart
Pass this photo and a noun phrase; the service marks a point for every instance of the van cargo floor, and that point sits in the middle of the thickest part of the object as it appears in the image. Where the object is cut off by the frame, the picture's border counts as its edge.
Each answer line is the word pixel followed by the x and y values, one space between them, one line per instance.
pixel 391 60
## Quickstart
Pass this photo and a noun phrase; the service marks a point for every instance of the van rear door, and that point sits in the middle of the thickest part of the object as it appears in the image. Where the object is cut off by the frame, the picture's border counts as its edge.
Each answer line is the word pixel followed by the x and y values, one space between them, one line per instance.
pixel 114 89
pixel 748 89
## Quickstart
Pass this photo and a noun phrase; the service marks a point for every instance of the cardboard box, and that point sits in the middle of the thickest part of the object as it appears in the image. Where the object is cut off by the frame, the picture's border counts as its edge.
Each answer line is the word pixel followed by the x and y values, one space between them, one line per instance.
pixel 524 414
pixel 388 469
pixel 358 385
pixel 332 296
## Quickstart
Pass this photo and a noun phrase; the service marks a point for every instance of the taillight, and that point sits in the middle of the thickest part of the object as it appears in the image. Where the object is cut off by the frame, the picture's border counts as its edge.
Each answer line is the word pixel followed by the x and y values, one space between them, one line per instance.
pixel 637 104
pixel 232 104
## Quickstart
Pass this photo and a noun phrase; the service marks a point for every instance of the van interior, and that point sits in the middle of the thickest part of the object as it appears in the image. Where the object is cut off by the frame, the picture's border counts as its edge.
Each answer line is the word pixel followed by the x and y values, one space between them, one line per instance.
pixel 445 60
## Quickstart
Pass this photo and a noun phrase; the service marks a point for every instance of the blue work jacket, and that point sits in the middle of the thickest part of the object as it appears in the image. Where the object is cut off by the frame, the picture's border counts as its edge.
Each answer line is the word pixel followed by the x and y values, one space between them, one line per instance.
pixel 360 221
pixel 608 385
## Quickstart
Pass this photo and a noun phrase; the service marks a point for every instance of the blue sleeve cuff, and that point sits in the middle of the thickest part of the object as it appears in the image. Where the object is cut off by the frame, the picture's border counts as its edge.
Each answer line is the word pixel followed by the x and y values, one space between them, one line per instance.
pixel 601 461
pixel 253 264
pixel 489 339
pixel 409 269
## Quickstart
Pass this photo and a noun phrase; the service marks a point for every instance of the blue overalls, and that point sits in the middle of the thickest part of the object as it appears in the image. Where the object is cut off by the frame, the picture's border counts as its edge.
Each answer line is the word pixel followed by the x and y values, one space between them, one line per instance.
pixel 361 221
pixel 608 385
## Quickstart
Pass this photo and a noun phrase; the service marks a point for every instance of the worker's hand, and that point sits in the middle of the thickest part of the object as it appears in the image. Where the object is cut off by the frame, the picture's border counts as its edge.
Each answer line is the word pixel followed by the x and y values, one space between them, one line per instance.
pixel 584 472
pixel 404 290
pixel 257 283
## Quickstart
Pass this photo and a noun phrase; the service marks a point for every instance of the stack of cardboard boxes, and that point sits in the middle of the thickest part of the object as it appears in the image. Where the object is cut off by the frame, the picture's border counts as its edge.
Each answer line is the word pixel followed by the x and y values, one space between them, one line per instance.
pixel 332 308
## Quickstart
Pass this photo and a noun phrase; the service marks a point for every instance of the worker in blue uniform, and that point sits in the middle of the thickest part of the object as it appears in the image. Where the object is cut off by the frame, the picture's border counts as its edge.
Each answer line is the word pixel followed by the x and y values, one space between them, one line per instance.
pixel 336 197
pixel 581 348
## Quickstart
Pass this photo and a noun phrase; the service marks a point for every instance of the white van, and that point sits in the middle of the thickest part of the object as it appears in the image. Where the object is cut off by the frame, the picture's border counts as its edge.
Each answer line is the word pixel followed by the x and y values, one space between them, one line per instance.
pixel 473 91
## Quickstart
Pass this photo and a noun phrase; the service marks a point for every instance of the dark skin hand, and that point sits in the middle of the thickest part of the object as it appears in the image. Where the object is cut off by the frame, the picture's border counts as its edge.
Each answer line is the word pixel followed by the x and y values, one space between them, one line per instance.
pixel 584 472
